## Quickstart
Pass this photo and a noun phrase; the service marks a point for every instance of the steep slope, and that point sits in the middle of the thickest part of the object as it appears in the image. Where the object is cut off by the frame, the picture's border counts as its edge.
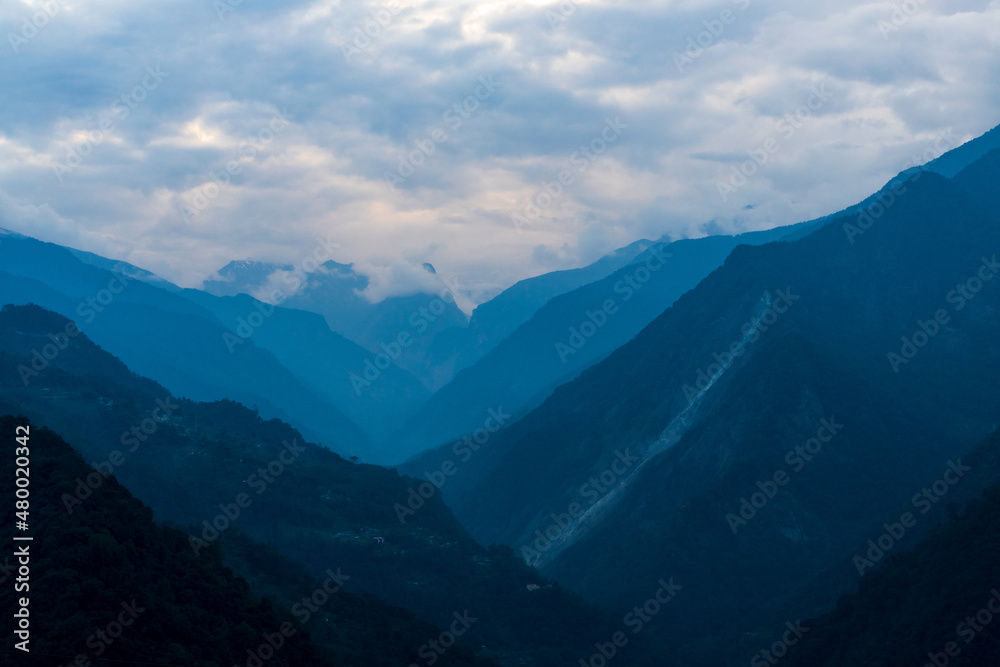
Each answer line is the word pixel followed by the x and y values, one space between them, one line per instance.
pixel 126 269
pixel 568 334
pixel 935 604
pixel 953 162
pixel 543 353
pixel 107 565
pixel 333 290
pixel 497 318
pixel 334 368
pixel 375 396
pixel 211 467
pixel 812 324
pixel 162 334
pixel 423 317
pixel 243 276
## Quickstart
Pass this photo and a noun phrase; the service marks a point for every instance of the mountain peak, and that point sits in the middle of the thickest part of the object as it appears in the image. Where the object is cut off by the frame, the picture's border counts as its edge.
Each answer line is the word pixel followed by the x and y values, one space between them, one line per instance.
pixel 243 266
pixel 12 234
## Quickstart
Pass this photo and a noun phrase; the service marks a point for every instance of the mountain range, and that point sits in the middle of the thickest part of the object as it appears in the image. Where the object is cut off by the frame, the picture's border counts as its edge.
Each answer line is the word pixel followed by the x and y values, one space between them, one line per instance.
pixel 714 438
pixel 755 433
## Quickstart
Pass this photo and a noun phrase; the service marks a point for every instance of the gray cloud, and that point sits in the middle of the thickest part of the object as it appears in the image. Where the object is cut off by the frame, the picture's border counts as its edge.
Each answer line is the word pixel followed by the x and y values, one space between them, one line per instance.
pixel 354 115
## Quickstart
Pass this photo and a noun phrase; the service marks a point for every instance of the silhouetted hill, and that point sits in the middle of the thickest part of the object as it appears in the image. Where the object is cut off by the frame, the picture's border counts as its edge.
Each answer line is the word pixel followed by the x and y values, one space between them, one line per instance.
pixel 934 604
pixel 568 334
pixel 106 565
pixel 161 334
pixel 664 439
pixel 320 510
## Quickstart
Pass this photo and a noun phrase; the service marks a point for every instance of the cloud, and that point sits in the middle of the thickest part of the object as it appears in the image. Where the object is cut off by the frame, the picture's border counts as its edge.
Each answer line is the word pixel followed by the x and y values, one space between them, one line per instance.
pixel 477 108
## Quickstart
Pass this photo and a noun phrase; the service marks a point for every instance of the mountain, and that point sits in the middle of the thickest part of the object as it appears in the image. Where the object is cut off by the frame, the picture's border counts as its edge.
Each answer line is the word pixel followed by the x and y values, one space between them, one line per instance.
pixel 494 320
pixel 334 291
pixel 569 333
pixel 216 468
pixel 309 366
pixel 797 375
pixel 243 277
pixel 550 348
pixel 160 333
pixel 285 361
pixel 106 565
pixel 124 268
pixel 382 398
pixel 933 604
pixel 443 347
pixel 954 161
pixel 376 396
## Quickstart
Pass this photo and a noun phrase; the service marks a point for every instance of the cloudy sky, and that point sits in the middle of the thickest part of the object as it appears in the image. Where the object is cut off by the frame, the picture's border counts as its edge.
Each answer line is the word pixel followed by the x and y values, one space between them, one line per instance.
pixel 181 134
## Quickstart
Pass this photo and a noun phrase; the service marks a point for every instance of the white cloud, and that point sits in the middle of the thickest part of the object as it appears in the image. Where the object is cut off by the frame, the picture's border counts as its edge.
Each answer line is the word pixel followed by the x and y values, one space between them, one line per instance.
pixel 324 174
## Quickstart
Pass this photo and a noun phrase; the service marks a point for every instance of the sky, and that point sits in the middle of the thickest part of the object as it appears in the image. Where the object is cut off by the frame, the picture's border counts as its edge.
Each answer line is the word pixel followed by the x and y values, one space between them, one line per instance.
pixel 494 140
